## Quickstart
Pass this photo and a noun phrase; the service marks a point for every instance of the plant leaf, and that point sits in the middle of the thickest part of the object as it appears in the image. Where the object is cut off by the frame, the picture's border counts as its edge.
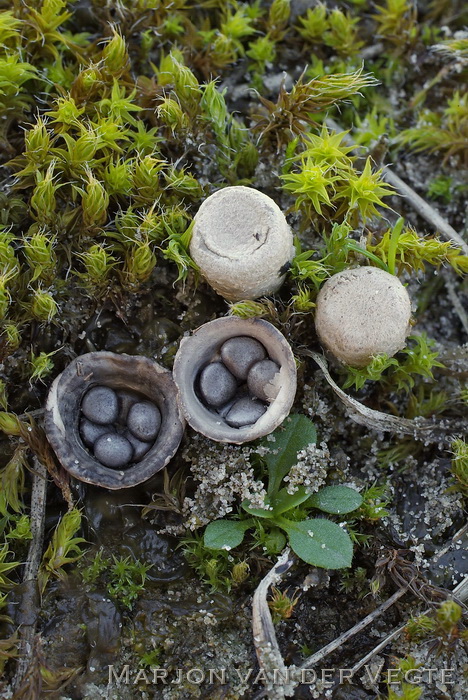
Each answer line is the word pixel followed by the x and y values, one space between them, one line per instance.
pixel 293 435
pixel 319 542
pixel 336 499
pixel 284 501
pixel 258 512
pixel 225 534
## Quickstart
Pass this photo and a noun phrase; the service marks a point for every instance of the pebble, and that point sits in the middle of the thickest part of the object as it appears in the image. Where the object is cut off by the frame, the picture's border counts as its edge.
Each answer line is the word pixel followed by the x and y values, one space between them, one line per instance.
pixel 239 354
pixel 140 448
pixel 144 420
pixel 90 432
pixel 261 380
pixel 126 400
pixel 245 411
pixel 113 450
pixel 217 384
pixel 100 405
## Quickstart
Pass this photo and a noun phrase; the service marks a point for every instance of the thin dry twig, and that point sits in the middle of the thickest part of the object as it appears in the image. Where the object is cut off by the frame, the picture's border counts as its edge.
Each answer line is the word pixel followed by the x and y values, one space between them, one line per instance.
pixel 29 606
pixel 457 304
pixel 361 625
pixel 459 593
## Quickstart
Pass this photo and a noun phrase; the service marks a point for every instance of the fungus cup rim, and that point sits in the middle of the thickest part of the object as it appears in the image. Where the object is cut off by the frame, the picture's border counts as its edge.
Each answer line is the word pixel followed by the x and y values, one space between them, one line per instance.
pixel 119 371
pixel 203 346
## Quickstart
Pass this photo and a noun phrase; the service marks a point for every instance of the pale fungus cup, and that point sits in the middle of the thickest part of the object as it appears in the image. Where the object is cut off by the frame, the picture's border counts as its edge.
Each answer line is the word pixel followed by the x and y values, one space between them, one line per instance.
pixel 242 243
pixel 113 420
pixel 236 379
pixel 362 312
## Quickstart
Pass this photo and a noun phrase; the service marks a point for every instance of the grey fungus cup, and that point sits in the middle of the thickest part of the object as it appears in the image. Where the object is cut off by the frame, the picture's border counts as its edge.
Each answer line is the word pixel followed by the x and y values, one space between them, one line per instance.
pixel 113 420
pixel 241 243
pixel 212 369
pixel 362 312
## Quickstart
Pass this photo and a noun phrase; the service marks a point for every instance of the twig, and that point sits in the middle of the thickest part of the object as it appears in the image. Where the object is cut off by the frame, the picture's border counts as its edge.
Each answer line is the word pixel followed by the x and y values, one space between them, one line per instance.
pixel 29 606
pixel 457 305
pixel 266 645
pixel 34 414
pixel 418 203
pixel 362 624
pixel 460 593
pixel 362 662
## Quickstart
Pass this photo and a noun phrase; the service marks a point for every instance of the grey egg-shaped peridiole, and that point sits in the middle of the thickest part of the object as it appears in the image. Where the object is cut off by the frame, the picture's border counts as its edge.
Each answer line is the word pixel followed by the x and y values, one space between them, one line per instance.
pixel 243 417
pixel 242 243
pixel 136 381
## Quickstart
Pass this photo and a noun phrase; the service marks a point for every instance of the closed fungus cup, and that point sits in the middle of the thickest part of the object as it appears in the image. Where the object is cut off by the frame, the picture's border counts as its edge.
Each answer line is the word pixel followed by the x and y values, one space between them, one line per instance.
pixel 362 312
pixel 223 374
pixel 80 409
pixel 242 243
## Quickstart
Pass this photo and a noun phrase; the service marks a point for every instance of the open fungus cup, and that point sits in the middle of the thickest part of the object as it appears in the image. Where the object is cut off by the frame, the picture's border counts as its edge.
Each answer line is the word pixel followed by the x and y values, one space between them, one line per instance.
pixel 202 347
pixel 117 371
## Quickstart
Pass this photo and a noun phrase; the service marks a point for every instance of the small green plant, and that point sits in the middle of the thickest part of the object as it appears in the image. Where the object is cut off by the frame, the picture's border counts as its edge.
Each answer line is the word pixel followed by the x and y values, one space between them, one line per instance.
pixel 338 254
pixel 324 181
pixel 445 132
pixel 357 377
pixel 318 541
pixel 401 248
pixel 124 577
pixel 363 194
pixel 127 580
pixel 375 500
pixel 355 581
pixel 417 359
pixel 334 28
pixel 64 548
pixel 426 401
pixel 212 567
pixel 442 630
pixel 294 110
pixel 460 466
pixel 151 659
pixel 282 604
pixel 397 21
pixel 98 566
pixel 41 366
pixel 441 187
pixel 12 482
pixel 408 692
pixel 6 565
pixel 399 675
pixel 20 527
